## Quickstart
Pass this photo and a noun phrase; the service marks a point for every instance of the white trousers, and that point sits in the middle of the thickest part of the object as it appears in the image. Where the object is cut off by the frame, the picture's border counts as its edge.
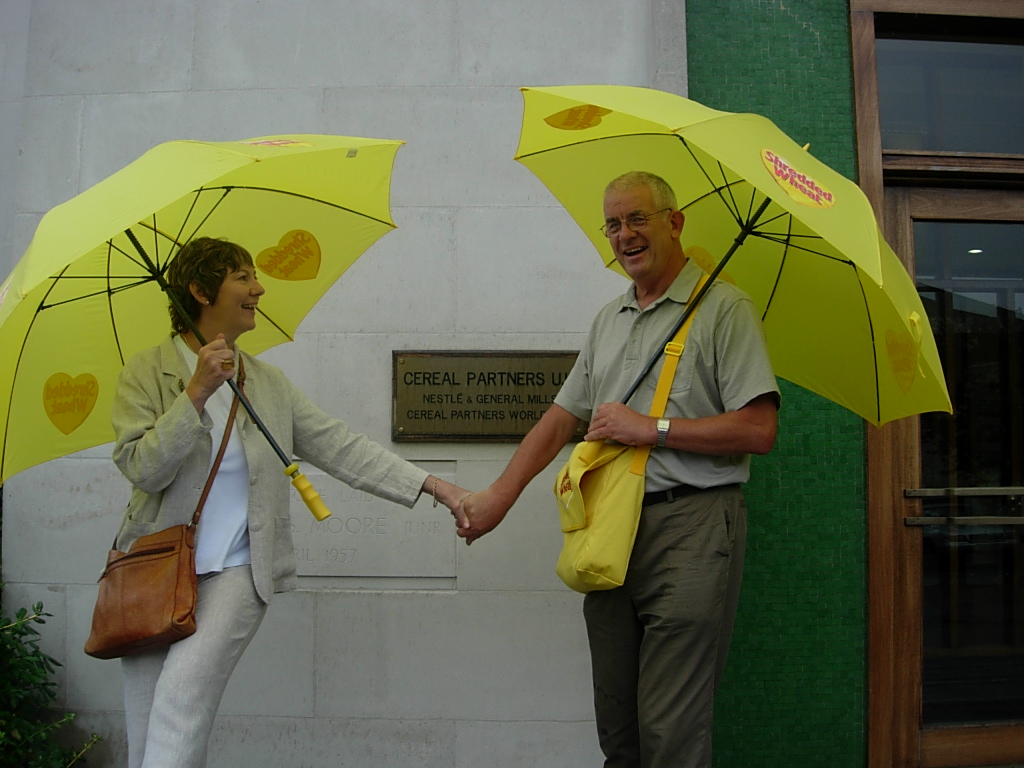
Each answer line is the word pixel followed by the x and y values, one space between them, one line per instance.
pixel 171 695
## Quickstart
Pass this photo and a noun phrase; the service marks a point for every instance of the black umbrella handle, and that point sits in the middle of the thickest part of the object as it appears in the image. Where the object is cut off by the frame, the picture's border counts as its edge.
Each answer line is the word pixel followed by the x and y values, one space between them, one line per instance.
pixel 309 496
pixel 746 228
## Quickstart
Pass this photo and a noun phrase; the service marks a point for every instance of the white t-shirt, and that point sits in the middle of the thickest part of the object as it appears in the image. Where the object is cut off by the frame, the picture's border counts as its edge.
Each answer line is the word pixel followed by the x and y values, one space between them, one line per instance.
pixel 222 538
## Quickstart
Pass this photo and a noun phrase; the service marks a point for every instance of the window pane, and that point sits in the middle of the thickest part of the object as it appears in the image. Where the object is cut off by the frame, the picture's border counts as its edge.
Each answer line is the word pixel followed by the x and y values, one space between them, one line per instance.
pixel 973 651
pixel 971 280
pixel 943 96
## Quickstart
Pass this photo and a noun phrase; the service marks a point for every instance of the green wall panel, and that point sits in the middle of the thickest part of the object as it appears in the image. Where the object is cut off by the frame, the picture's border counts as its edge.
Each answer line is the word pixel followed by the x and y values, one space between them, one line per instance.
pixel 794 690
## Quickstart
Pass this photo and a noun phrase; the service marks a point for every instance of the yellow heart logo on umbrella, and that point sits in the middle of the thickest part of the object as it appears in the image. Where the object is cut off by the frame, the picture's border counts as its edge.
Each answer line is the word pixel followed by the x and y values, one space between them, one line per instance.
pixel 903 351
pixel 705 261
pixel 577 118
pixel 295 257
pixel 68 402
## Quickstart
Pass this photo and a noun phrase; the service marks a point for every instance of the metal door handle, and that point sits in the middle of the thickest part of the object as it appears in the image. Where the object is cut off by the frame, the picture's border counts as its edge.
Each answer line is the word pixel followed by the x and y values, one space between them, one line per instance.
pixel 1008 491
pixel 965 520
pixel 927 493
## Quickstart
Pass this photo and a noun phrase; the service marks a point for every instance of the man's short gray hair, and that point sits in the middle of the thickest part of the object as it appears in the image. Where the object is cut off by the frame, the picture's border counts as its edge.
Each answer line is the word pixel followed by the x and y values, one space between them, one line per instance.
pixel 661 192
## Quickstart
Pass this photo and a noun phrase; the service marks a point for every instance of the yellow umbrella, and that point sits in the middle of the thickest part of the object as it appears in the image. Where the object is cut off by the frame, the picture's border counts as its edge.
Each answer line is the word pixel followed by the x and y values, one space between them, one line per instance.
pixel 841 315
pixel 86 295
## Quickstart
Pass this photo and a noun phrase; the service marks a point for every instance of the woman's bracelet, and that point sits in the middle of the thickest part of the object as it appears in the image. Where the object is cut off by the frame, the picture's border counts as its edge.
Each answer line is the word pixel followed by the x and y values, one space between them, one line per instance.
pixel 433 490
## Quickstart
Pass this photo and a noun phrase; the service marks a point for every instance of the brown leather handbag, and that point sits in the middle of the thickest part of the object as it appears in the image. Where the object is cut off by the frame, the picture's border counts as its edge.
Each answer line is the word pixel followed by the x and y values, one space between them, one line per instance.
pixel 147 596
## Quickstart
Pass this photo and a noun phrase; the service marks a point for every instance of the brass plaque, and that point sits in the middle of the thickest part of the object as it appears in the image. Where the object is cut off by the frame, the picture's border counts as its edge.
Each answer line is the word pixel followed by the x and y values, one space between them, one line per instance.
pixel 473 396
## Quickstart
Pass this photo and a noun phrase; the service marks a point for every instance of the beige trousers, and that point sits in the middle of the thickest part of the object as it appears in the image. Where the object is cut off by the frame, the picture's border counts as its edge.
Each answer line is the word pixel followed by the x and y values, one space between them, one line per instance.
pixel 171 695
pixel 658 643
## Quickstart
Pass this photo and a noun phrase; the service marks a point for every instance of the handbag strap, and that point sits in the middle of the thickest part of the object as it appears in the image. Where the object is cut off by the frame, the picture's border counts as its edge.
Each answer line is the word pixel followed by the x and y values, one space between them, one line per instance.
pixel 223 445
pixel 673 352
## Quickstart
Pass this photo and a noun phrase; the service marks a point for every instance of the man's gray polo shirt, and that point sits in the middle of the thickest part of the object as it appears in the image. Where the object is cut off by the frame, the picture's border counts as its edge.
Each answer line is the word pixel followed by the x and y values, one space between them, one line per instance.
pixel 724 366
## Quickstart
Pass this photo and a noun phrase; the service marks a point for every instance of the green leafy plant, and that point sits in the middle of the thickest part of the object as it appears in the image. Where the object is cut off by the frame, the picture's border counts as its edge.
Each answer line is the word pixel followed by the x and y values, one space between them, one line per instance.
pixel 28 721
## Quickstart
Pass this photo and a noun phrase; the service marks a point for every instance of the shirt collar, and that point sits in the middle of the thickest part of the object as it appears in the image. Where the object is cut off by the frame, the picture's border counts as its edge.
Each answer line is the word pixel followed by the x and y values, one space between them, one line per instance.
pixel 679 292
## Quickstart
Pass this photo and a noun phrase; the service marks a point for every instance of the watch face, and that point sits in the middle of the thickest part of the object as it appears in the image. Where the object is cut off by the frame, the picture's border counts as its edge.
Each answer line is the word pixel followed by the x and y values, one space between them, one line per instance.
pixel 663 425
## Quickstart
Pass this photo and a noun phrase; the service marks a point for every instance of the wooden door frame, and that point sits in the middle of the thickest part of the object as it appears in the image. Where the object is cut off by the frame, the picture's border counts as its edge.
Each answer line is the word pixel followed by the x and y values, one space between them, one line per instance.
pixel 895 738
pixel 945 746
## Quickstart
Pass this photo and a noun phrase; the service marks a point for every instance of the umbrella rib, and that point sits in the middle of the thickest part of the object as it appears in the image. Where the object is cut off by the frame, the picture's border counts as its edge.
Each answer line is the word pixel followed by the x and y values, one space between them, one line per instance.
pixel 271 321
pixel 779 237
pixel 156 240
pixel 113 246
pixel 778 274
pixel 867 315
pixel 72 278
pixel 14 376
pixel 789 241
pixel 105 292
pixel 784 214
pixel 157 232
pixel 717 189
pixel 750 207
pixel 192 207
pixel 732 204
pixel 581 142
pixel 312 199
pixel 714 192
pixel 110 310
pixel 874 342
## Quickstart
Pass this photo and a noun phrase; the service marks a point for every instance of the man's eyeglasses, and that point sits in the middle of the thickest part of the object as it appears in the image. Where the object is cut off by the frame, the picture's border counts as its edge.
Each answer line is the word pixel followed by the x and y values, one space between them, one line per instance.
pixel 635 221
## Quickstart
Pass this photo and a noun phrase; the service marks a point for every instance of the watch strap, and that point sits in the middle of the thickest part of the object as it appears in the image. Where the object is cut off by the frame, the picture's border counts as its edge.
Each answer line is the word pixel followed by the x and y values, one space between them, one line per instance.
pixel 663 427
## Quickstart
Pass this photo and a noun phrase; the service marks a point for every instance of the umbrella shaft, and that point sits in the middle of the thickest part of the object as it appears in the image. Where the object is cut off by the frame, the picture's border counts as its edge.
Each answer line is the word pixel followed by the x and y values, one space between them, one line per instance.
pixel 244 401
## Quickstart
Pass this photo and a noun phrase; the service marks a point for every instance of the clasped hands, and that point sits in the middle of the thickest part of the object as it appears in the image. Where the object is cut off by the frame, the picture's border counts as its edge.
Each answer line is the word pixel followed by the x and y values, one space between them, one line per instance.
pixel 475 513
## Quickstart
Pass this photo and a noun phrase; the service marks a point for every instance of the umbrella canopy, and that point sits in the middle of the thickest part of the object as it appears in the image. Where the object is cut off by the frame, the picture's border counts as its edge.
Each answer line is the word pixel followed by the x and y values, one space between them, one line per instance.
pixel 84 297
pixel 840 312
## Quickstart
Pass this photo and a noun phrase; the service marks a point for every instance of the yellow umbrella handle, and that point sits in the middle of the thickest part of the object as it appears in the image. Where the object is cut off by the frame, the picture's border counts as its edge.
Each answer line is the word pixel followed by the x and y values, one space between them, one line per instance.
pixel 307 492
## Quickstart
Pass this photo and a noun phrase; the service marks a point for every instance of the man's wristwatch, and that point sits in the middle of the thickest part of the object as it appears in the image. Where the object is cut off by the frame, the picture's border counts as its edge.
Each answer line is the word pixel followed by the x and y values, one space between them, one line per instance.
pixel 663 425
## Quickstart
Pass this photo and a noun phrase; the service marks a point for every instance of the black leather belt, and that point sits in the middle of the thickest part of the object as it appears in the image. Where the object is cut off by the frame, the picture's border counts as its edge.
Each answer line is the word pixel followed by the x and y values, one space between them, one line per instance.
pixel 660 497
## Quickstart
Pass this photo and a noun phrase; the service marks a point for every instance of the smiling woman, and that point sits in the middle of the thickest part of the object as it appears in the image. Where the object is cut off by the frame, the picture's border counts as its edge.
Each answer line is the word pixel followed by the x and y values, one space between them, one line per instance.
pixel 244 553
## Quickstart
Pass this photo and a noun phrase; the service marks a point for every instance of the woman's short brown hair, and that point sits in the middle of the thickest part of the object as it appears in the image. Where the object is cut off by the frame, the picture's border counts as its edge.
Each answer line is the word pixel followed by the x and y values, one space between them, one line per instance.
pixel 204 262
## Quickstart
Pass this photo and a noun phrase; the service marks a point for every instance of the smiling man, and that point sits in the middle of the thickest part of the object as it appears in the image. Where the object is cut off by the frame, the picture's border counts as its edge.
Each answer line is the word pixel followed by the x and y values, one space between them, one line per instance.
pixel 658 643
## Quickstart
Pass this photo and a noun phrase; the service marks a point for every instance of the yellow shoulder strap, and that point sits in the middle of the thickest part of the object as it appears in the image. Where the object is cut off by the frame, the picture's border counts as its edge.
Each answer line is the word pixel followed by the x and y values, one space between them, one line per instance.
pixel 673 351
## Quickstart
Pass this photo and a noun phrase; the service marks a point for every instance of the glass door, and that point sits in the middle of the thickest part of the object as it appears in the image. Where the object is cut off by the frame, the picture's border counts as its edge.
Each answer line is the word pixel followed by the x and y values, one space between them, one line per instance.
pixel 970 276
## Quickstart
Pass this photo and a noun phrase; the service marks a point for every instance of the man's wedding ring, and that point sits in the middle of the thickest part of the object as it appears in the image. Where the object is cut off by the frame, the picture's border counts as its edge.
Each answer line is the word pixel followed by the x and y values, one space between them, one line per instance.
pixel 225 364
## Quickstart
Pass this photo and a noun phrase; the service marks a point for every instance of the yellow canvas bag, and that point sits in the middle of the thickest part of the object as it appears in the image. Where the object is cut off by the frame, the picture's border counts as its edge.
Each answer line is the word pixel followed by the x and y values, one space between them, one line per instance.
pixel 600 490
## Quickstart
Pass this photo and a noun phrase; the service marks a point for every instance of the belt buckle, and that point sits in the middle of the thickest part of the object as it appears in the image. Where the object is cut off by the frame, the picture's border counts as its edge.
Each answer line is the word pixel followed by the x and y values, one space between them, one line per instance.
pixel 678 492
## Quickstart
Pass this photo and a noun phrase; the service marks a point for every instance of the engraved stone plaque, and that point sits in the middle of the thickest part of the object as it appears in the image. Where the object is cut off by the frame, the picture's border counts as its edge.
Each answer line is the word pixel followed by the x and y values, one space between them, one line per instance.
pixel 367 536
